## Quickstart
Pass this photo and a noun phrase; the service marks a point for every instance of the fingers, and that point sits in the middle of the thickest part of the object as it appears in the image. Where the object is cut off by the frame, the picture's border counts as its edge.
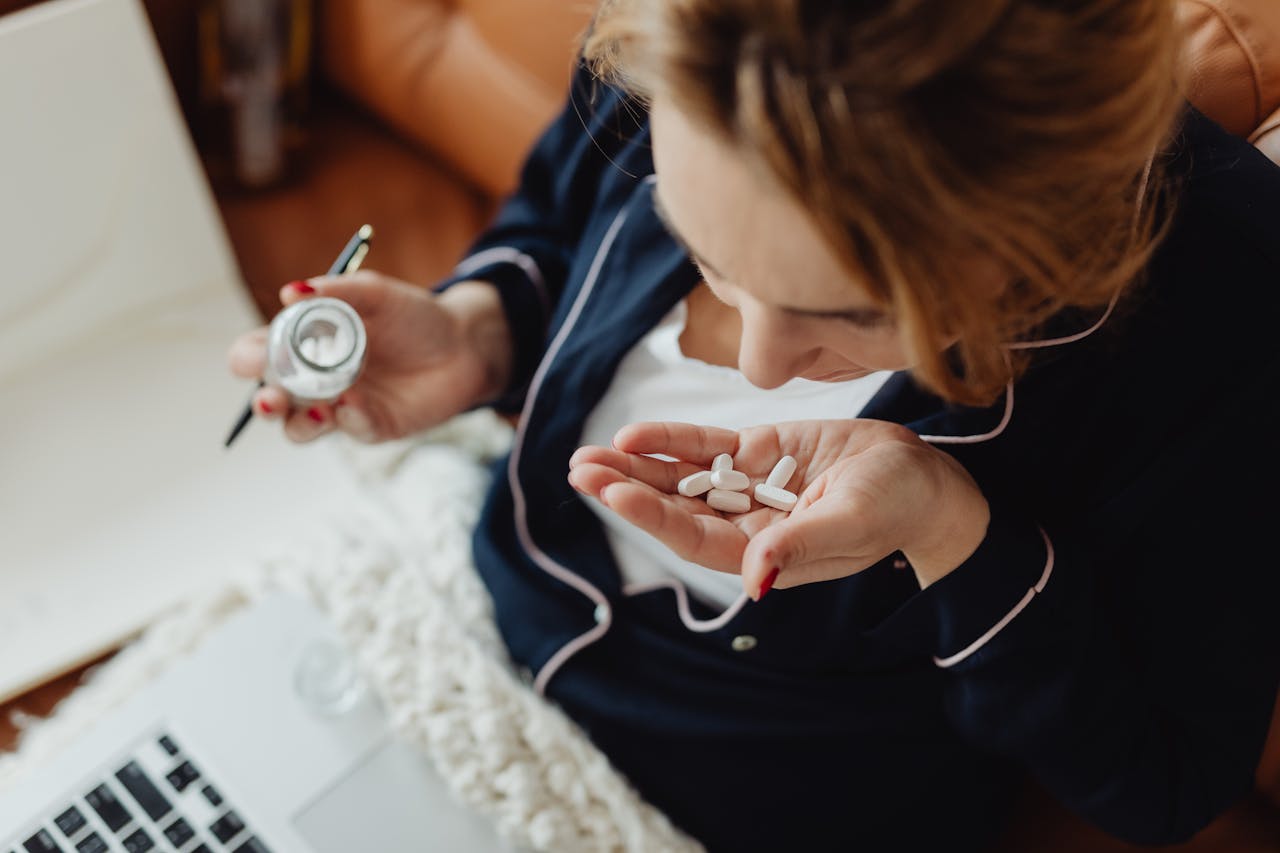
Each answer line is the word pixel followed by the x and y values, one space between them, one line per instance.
pixel 807 543
pixel 296 291
pixel 590 478
pixel 352 419
pixel 687 526
pixel 301 424
pixel 662 475
pixel 308 424
pixel 357 289
pixel 690 442
pixel 639 489
pixel 271 402
pixel 798 575
pixel 247 357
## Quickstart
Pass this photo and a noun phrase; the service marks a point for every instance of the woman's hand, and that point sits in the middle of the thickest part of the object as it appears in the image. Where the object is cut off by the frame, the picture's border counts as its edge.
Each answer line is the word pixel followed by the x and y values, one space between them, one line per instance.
pixel 428 357
pixel 867 488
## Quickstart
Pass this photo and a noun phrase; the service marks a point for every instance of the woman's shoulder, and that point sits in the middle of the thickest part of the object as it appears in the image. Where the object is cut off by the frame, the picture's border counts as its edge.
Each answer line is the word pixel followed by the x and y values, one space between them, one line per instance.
pixel 1207 303
pixel 1226 196
pixel 1215 277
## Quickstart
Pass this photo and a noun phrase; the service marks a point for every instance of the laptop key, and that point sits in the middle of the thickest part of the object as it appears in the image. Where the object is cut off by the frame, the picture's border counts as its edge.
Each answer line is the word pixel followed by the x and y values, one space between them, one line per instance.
pixel 227 827
pixel 179 832
pixel 253 845
pixel 211 794
pixel 167 744
pixel 139 842
pixel 92 843
pixel 182 776
pixel 70 821
pixel 203 848
pixel 111 810
pixel 143 790
pixel 42 842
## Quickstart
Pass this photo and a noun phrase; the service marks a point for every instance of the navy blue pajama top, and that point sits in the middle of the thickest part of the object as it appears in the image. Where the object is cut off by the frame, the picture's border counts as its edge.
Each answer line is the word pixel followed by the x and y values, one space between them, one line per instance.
pixel 1116 634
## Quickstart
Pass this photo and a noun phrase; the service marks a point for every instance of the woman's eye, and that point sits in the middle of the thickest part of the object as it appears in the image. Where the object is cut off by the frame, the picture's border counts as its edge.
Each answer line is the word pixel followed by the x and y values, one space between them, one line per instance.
pixel 866 323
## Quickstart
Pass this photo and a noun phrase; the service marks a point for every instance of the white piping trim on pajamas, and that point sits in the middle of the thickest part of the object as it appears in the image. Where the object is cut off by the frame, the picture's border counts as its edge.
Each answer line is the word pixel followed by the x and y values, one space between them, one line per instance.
pixel 509 255
pixel 540 557
pixel 986 436
pixel 701 626
pixel 1008 617
pixel 1004 422
pixel 1050 342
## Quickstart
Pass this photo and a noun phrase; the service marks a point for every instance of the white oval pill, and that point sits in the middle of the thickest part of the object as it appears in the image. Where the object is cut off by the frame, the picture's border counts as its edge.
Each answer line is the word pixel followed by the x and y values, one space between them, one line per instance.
pixel 733 481
pixel 723 462
pixel 695 484
pixel 776 497
pixel 781 473
pixel 727 501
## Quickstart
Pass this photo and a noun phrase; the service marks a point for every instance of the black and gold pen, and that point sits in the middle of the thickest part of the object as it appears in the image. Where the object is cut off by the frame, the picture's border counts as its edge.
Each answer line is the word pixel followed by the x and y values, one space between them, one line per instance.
pixel 348 261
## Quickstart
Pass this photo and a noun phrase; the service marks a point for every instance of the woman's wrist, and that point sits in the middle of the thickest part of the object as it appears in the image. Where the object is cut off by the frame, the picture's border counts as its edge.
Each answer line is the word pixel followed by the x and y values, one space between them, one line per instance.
pixel 961 515
pixel 484 332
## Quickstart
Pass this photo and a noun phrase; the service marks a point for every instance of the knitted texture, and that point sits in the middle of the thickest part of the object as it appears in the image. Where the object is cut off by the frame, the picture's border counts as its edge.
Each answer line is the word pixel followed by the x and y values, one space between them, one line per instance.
pixel 395 574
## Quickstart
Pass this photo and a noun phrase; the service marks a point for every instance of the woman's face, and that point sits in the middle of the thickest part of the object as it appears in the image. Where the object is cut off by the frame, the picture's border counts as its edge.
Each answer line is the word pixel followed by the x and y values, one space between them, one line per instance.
pixel 803 314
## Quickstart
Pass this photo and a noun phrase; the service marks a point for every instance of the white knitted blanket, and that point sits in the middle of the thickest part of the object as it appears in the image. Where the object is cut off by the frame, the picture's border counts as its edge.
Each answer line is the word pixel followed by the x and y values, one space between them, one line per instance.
pixel 395 575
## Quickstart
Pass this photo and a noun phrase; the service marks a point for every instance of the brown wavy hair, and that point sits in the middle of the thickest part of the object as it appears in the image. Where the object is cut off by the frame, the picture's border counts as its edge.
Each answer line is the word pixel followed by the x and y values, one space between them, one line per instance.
pixel 920 133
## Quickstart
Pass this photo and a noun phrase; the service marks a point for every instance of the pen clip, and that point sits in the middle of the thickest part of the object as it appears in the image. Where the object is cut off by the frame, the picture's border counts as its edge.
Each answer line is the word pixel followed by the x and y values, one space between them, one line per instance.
pixel 357 258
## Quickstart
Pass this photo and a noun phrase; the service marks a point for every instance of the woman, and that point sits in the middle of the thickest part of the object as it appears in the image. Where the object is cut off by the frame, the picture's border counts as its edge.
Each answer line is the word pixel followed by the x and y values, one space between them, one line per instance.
pixel 1004 298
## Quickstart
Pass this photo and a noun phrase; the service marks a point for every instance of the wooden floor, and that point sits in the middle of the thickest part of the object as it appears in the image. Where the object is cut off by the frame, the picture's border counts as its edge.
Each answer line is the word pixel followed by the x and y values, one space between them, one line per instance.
pixel 40 702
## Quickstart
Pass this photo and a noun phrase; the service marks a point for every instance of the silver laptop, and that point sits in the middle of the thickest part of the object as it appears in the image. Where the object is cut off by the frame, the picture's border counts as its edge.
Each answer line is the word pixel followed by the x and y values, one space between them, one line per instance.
pixel 265 739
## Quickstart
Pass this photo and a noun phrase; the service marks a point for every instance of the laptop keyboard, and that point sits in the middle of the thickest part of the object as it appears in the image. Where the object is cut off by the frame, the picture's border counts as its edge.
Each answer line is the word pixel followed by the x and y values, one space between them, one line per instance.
pixel 155 800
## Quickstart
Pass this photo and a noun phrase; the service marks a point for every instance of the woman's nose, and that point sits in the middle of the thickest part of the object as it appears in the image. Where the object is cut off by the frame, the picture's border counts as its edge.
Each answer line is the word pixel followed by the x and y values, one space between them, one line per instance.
pixel 770 354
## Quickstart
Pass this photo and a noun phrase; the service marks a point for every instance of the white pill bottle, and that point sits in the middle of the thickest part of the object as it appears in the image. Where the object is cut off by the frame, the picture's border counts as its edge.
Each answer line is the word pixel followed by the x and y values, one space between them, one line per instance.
pixel 315 350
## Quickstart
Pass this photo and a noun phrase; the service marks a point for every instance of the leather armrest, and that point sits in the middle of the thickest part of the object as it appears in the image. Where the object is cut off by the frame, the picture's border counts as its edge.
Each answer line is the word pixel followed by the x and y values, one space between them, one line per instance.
pixel 1267 139
pixel 1233 52
pixel 468 85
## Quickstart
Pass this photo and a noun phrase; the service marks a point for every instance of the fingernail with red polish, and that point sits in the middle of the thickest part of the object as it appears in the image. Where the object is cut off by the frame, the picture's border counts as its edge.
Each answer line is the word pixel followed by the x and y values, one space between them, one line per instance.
pixel 767 583
pixel 315 415
pixel 301 286
pixel 264 408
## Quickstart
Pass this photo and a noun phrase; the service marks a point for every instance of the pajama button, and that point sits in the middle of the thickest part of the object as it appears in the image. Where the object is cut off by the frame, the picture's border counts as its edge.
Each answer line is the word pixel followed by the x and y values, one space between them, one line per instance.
pixel 743 643
pixel 600 614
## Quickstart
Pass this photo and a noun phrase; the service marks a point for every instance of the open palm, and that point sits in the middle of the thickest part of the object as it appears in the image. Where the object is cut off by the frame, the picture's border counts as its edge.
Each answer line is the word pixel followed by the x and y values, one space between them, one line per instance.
pixel 866 488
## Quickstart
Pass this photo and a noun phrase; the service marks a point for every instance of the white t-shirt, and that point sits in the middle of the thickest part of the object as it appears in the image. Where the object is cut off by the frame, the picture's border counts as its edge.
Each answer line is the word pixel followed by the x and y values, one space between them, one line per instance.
pixel 656 381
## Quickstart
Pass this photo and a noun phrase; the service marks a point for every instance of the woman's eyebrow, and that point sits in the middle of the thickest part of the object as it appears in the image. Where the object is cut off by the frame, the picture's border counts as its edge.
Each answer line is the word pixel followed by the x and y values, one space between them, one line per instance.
pixel 665 219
